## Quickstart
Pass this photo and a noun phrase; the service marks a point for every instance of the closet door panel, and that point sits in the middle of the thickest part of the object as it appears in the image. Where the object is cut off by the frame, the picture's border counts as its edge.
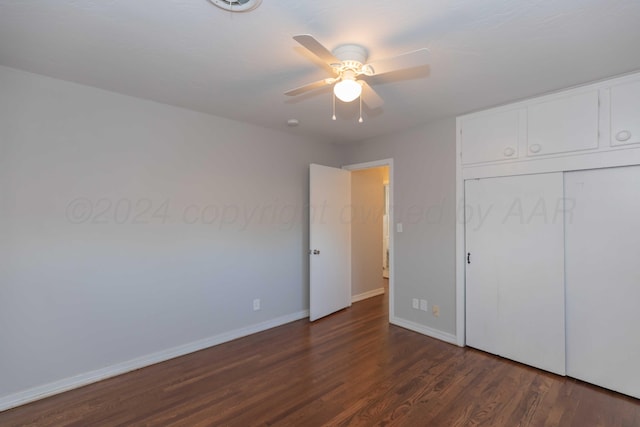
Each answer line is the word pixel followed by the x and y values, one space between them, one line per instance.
pixel 481 284
pixel 531 277
pixel 603 277
pixel 516 243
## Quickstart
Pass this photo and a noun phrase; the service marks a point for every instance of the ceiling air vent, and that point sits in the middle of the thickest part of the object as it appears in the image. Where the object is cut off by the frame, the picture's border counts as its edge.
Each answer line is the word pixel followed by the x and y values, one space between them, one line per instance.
pixel 237 5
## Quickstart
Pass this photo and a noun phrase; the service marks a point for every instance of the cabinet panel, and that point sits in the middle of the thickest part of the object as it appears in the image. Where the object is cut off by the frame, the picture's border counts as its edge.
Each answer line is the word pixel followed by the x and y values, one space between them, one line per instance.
pixel 625 114
pixel 563 124
pixel 490 137
pixel 603 277
pixel 515 278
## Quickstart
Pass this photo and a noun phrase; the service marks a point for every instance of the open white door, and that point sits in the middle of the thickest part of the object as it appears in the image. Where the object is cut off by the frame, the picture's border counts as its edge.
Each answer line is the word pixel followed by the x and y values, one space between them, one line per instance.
pixel 329 240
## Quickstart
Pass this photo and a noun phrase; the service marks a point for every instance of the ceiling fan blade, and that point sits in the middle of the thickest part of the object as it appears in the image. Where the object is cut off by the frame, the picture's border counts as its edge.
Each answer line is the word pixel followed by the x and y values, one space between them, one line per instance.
pixel 315 47
pixel 370 96
pixel 310 86
pixel 411 59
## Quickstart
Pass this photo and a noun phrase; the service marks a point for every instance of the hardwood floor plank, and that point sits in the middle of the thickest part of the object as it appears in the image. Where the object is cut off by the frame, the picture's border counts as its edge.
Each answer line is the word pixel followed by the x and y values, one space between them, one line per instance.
pixel 349 369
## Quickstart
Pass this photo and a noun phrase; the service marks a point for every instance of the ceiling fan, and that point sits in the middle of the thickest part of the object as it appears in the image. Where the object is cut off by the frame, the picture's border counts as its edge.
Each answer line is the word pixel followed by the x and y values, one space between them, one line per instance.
pixel 348 62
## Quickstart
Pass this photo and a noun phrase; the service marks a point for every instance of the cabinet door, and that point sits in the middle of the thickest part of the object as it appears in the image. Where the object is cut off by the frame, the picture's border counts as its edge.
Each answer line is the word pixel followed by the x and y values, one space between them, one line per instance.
pixel 603 277
pixel 515 271
pixel 490 137
pixel 625 114
pixel 565 124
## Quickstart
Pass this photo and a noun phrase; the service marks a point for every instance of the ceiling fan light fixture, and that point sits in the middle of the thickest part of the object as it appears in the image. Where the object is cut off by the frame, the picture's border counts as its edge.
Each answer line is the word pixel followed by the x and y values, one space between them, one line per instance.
pixel 347 90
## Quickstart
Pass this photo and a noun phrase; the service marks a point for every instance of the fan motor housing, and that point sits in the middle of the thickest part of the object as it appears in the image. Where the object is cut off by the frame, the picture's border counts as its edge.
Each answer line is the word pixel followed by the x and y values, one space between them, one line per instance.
pixel 351 55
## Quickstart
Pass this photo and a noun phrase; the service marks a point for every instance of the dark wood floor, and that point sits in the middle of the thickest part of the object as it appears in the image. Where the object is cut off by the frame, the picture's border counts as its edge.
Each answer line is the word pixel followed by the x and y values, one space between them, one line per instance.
pixel 351 368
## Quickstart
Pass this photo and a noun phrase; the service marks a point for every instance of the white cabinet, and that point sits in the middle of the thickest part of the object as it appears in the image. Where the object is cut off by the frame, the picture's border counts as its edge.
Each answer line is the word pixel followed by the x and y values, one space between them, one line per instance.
pixel 582 128
pixel 490 137
pixel 515 268
pixel 625 114
pixel 563 124
pixel 555 223
pixel 603 277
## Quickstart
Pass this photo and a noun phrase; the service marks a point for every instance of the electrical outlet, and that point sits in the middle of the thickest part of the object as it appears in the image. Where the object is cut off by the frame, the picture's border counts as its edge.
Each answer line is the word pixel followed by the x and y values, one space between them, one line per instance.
pixel 416 303
pixel 423 305
pixel 436 310
pixel 256 304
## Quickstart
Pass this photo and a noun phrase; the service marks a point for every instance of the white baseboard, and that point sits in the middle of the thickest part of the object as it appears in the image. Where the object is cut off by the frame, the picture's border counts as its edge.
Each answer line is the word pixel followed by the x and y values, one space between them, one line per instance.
pixel 368 294
pixel 46 390
pixel 425 330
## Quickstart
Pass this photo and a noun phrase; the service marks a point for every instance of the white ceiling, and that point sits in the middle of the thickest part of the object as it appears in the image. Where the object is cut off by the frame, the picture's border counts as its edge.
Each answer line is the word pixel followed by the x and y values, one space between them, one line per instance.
pixel 192 54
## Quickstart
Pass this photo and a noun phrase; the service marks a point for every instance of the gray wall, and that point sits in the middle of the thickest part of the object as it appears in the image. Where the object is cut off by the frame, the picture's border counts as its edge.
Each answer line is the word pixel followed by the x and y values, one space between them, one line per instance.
pixel 128 227
pixel 424 201
pixel 367 201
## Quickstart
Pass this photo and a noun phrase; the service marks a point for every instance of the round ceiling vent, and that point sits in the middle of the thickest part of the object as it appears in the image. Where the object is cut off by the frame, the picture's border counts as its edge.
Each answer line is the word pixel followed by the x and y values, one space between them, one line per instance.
pixel 237 5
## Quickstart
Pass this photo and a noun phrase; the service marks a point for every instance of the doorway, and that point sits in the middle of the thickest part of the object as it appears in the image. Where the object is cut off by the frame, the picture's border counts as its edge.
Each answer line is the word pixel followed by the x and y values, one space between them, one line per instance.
pixel 371 239
pixel 332 273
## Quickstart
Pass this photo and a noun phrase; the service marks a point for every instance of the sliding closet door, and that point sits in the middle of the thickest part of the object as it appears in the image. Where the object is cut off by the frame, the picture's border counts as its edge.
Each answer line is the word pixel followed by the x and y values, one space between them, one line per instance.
pixel 603 277
pixel 515 268
pixel 481 284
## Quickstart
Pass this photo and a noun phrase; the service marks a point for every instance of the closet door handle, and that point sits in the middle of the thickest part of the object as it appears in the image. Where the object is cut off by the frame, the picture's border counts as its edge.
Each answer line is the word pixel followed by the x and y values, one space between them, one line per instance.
pixel 468 257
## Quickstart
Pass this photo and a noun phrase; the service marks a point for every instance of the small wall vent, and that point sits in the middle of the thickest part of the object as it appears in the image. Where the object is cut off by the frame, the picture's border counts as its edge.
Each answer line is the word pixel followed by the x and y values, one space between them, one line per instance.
pixel 237 5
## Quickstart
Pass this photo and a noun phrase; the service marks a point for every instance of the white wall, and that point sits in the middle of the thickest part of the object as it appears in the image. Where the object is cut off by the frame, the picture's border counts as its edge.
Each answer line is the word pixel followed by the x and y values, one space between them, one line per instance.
pixel 424 201
pixel 129 227
pixel 367 201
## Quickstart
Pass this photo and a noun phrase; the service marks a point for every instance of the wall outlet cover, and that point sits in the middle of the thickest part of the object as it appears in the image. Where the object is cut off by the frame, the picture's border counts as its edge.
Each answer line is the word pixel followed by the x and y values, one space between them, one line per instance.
pixel 423 305
pixel 415 303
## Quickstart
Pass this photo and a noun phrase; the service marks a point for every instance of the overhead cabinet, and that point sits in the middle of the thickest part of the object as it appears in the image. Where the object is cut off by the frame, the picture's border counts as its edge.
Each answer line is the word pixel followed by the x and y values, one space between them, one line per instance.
pixel 564 124
pixel 490 137
pixel 600 118
pixel 561 124
pixel 625 114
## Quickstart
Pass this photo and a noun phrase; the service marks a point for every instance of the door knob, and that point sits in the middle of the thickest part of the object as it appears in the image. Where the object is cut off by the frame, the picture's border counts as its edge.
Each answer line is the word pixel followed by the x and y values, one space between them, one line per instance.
pixel 623 135
pixel 535 148
pixel 508 152
pixel 316 252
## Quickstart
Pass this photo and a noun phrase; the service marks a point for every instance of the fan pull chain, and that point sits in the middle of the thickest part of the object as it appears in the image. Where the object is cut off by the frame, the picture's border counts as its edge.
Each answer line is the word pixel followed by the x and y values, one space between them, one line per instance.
pixel 334 106
pixel 360 119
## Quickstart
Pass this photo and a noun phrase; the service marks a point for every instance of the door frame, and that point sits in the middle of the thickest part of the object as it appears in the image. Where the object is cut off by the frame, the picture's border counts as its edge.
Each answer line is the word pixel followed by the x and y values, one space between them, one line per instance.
pixel 376 164
pixel 460 247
